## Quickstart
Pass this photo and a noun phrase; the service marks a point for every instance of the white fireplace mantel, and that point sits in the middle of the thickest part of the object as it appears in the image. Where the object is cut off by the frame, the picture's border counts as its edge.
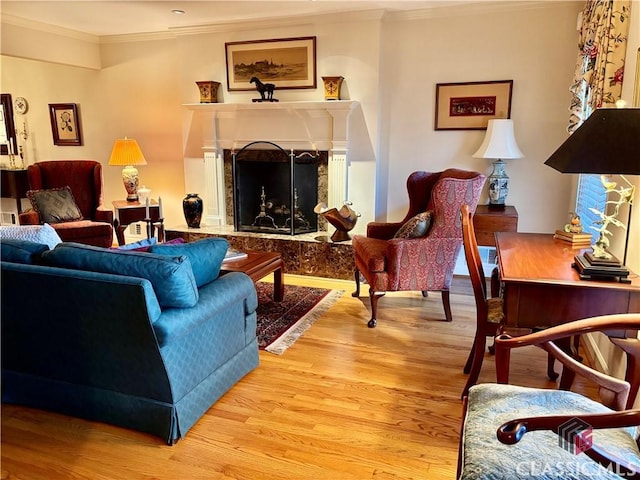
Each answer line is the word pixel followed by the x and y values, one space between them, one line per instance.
pixel 312 125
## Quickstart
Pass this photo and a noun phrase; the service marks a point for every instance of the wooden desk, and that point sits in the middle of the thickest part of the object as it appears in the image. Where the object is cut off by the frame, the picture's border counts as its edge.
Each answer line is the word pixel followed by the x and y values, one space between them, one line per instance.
pixel 541 289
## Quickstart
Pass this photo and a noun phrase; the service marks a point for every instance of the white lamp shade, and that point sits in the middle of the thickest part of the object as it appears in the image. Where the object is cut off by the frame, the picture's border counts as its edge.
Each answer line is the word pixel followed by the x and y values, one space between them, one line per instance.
pixel 500 141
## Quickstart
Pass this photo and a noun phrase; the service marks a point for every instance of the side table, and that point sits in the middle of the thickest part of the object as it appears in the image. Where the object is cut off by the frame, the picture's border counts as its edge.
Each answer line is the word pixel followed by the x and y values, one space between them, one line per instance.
pixel 15 184
pixel 126 213
pixel 258 265
pixel 487 221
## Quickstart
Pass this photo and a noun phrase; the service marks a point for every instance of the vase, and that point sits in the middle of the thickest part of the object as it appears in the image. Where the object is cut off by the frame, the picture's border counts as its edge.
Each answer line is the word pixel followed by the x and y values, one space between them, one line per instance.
pixel 208 91
pixel 192 207
pixel 332 87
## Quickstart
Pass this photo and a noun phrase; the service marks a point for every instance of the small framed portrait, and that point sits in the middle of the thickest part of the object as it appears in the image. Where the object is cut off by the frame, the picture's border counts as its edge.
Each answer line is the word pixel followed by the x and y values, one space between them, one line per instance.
pixel 65 124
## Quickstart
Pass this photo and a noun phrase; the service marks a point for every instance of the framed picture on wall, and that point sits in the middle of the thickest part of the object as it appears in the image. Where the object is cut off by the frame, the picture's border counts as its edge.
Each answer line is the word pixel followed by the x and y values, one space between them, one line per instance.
pixel 65 124
pixel 470 105
pixel 7 129
pixel 285 62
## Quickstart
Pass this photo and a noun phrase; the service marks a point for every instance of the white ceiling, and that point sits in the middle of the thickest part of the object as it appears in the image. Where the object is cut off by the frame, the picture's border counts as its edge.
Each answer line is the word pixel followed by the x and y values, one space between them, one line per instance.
pixel 122 17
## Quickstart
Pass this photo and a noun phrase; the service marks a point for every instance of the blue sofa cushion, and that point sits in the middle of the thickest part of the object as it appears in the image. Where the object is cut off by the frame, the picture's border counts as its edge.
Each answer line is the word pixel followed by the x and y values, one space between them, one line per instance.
pixel 205 255
pixel 21 251
pixel 172 277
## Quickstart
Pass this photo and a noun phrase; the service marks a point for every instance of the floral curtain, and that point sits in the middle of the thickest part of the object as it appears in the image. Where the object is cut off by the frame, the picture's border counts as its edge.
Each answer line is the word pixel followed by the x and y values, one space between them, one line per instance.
pixel 600 65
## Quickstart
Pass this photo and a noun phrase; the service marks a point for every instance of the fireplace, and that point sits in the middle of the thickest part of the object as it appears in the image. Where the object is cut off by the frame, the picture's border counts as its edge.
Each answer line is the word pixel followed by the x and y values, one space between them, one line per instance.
pixel 275 191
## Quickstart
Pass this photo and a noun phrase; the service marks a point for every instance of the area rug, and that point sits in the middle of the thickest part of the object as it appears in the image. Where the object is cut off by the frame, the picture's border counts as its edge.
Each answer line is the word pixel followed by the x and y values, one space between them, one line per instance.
pixel 280 324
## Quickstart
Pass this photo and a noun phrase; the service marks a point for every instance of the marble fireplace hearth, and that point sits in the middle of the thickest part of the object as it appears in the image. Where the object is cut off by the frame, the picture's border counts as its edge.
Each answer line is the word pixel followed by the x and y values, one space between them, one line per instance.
pixel 305 254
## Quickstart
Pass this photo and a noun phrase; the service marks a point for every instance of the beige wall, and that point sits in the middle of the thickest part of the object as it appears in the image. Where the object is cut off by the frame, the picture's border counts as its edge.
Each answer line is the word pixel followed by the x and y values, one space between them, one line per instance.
pixel 390 65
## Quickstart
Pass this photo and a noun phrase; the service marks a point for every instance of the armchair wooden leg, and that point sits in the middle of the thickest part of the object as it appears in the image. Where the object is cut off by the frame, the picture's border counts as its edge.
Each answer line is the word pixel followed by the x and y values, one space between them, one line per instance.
pixel 447 306
pixel 356 275
pixel 374 297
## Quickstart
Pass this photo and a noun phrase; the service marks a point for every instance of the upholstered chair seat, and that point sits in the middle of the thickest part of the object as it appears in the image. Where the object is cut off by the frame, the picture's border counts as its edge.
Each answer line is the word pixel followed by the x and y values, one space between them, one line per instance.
pixel 511 431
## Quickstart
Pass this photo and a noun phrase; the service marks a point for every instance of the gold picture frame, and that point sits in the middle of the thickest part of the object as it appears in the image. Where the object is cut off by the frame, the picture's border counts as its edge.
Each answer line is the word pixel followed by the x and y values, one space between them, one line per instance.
pixel 65 124
pixel 287 63
pixel 470 105
pixel 636 87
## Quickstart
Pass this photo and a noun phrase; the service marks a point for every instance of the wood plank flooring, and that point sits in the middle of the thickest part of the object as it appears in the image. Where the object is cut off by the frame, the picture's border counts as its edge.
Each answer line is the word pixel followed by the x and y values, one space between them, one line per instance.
pixel 344 402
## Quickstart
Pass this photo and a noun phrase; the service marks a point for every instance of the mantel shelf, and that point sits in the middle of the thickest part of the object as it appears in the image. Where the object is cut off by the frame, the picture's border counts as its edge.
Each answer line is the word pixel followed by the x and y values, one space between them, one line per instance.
pixel 335 105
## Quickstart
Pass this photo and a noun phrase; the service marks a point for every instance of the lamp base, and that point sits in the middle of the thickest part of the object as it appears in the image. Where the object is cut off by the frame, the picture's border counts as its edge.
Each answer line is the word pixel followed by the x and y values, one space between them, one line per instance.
pixel 590 267
pixel 130 181
pixel 498 185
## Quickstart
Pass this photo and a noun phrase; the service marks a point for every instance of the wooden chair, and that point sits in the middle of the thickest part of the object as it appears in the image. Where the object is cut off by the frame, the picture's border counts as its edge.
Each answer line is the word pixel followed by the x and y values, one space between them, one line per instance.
pixel 489 310
pixel 424 262
pixel 540 433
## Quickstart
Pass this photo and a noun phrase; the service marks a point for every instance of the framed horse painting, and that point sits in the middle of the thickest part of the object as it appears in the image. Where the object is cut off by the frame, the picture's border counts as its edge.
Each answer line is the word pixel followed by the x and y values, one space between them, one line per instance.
pixel 285 63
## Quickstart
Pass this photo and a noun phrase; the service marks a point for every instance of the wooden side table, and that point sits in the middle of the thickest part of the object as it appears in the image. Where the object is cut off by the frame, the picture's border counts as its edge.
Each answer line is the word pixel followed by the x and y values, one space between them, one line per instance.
pixel 487 221
pixel 15 184
pixel 126 213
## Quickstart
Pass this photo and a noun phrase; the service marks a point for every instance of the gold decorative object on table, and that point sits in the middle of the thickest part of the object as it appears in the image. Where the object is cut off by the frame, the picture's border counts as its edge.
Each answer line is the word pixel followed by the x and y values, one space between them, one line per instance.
pixel 208 91
pixel 332 87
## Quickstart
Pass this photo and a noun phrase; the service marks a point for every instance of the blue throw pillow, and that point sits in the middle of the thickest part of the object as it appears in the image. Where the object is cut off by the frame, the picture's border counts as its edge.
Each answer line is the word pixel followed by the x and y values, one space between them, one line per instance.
pixel 21 251
pixel 171 277
pixel 205 255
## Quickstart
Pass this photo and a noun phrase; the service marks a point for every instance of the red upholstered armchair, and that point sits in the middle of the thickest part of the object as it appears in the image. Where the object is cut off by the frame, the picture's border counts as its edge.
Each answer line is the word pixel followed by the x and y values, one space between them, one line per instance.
pixel 84 177
pixel 425 263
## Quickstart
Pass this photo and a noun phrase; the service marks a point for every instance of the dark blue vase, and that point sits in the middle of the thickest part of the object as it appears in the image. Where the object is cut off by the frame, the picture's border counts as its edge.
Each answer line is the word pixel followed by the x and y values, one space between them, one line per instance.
pixel 192 207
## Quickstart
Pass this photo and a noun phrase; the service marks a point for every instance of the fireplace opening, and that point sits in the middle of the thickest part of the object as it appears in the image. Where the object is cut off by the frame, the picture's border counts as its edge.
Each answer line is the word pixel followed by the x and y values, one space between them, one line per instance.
pixel 275 191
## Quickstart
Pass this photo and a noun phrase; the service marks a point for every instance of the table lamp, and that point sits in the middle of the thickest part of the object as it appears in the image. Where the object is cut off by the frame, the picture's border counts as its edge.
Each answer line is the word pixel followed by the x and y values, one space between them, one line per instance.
pixel 499 143
pixel 607 143
pixel 127 153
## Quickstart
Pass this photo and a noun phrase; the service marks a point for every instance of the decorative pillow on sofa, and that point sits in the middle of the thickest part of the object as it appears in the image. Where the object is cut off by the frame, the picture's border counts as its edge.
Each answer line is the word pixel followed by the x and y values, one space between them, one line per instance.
pixel 32 233
pixel 172 277
pixel 206 256
pixel 416 227
pixel 21 251
pixel 55 205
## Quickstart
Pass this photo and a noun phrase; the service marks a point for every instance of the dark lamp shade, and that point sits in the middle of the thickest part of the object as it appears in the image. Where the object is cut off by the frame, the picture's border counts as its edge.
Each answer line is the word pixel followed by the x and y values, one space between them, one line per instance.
pixel 608 142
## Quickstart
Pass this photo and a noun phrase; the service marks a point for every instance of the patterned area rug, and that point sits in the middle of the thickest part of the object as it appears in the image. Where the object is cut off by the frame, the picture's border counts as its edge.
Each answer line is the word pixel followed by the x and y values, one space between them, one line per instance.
pixel 280 324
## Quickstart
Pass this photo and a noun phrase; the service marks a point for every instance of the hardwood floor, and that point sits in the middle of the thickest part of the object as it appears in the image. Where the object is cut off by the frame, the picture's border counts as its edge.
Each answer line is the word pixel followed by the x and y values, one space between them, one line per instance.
pixel 344 402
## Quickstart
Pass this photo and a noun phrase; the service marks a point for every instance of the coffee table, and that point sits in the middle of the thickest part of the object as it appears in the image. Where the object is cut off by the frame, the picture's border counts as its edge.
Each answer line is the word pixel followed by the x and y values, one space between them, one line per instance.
pixel 258 265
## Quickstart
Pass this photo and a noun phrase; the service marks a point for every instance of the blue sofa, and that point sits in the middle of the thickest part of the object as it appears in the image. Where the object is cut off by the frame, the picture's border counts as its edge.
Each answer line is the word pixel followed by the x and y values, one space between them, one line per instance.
pixel 147 341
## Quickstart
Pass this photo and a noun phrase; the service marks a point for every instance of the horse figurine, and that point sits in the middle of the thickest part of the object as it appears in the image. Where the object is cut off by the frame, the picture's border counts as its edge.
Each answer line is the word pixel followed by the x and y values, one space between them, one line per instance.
pixel 264 88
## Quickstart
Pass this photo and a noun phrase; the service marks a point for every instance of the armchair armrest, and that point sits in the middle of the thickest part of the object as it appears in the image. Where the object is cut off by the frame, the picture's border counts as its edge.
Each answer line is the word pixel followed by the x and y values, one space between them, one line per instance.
pixel 104 215
pixel 614 392
pixel 511 432
pixel 382 231
pixel 30 217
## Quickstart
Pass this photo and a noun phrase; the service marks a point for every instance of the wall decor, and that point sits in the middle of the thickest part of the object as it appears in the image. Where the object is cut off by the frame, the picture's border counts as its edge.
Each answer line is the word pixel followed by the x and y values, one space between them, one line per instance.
pixel 65 124
pixel 285 62
pixel 7 130
pixel 470 105
pixel 208 91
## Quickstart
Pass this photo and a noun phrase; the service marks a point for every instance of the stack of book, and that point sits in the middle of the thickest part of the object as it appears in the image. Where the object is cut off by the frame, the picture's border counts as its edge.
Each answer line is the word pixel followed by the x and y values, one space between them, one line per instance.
pixel 575 239
pixel 234 254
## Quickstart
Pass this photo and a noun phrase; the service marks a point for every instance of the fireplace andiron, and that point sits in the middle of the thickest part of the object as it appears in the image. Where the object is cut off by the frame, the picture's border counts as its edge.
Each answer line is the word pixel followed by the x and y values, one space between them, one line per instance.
pixel 344 219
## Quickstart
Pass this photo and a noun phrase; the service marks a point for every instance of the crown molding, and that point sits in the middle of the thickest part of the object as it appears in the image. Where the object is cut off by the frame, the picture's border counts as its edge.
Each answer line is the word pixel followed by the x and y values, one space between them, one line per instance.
pixel 47 28
pixel 476 8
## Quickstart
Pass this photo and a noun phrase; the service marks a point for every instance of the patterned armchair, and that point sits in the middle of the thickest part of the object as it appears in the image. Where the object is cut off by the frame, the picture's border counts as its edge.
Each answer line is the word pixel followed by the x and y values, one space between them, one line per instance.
pixel 84 177
pixel 423 263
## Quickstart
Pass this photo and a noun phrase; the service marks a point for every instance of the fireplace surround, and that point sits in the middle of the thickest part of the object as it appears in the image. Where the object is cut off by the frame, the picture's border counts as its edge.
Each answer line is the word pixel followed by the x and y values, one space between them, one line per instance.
pixel 274 191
